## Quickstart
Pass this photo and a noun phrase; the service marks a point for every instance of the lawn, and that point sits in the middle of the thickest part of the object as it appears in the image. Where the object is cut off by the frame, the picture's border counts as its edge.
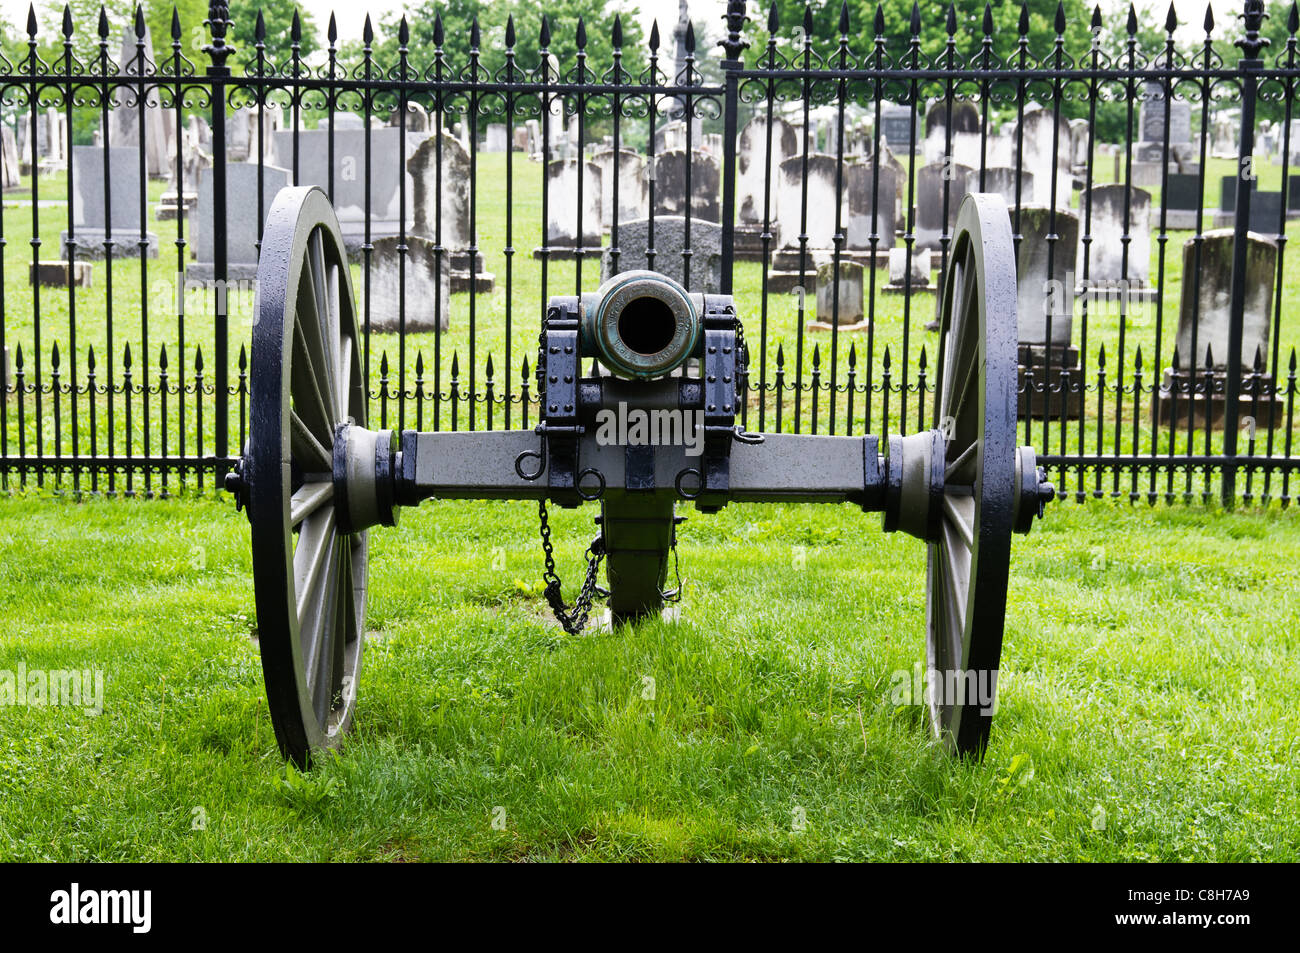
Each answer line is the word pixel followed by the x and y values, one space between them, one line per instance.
pixel 1148 704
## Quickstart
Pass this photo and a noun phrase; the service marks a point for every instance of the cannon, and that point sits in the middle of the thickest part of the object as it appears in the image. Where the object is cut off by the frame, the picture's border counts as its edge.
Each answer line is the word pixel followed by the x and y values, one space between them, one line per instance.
pixel 654 424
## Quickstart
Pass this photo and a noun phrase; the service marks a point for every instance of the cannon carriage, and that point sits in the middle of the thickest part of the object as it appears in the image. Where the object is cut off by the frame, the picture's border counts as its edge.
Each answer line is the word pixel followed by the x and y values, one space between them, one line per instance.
pixel 315 479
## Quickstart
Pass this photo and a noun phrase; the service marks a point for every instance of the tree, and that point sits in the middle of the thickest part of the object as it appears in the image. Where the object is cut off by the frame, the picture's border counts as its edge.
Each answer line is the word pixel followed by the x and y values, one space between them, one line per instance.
pixel 278 16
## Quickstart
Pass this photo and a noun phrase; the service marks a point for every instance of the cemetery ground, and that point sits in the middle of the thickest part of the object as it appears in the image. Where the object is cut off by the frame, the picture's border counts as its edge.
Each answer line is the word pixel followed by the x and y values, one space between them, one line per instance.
pixel 136 297
pixel 1147 705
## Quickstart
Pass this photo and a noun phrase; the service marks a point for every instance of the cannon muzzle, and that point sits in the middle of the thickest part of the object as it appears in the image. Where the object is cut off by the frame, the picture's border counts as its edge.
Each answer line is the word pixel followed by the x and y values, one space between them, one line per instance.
pixel 641 324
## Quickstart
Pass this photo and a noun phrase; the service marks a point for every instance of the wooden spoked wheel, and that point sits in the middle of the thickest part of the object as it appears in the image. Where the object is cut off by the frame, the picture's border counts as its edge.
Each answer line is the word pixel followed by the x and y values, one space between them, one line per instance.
pixel 968 564
pixel 309 574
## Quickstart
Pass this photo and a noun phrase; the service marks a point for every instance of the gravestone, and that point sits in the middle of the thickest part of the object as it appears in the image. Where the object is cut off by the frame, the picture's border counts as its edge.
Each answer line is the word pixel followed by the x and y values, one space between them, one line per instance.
pixel 182 185
pixel 60 273
pixel 417 117
pixel 243 218
pixel 534 138
pixel 669 174
pixel 1046 153
pixel 1080 136
pixel 263 124
pixel 496 140
pixel 628 173
pixel 1151 152
pixel 91 222
pixel 1107 269
pixel 817 221
pixel 671 137
pixel 442 208
pixel 573 220
pixel 1002 179
pixel 669 242
pixel 1265 207
pixel 1293 194
pixel 427 287
pixel 959 139
pixel 1045 291
pixel 237 137
pixel 124 120
pixel 870 210
pixel 355 181
pixel 1182 200
pixel 900 127
pixel 901 265
pixel 937 183
pixel 756 182
pixel 520 143
pixel 8 158
pixel 1205 314
pixel 343 120
pixel 839 297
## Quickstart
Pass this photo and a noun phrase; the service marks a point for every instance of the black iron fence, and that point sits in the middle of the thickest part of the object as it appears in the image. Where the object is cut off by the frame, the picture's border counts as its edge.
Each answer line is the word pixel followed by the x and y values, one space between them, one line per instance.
pixel 812 168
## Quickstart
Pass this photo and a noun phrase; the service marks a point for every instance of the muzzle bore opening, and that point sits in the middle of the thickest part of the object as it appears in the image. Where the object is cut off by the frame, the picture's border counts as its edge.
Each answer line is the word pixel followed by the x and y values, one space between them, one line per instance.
pixel 647 325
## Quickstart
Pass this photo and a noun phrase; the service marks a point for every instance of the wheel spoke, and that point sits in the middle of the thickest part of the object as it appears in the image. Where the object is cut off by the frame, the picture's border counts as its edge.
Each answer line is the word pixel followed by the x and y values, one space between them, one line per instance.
pixel 315 542
pixel 345 379
pixel 960 511
pixel 305 449
pixel 308 499
pixel 957 467
pixel 957 559
pixel 320 300
pixel 307 376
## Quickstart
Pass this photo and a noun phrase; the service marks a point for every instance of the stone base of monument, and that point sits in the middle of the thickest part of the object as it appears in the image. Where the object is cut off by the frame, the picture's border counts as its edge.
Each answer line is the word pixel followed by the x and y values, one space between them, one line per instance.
pixel 207 271
pixel 126 243
pixel 1183 219
pixel 59 274
pixel 569 252
pixel 1113 292
pixel 864 325
pixel 170 206
pixel 916 289
pixel 866 257
pixel 1183 392
pixel 1064 397
pixel 748 244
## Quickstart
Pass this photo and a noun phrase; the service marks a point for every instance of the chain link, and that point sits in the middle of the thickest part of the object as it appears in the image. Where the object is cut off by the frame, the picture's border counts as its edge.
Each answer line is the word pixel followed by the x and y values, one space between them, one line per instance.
pixel 572 618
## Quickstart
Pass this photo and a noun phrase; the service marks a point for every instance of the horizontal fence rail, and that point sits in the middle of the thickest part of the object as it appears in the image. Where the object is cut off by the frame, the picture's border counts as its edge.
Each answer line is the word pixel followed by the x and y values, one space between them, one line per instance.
pixel 810 163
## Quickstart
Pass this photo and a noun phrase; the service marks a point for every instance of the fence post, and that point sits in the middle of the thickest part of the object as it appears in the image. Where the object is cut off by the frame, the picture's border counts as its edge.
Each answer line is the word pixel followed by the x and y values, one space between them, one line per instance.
pixel 218 22
pixel 733 46
pixel 1249 65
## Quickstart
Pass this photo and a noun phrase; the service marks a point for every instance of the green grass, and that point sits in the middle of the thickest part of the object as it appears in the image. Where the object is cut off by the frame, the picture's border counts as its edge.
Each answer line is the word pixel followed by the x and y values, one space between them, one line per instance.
pixel 1149 673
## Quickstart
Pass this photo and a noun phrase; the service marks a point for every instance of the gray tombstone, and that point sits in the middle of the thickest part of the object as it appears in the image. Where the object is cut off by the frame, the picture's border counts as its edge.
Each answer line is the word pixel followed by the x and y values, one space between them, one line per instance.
pixel 818 218
pixel 237 138
pixel 427 286
pixel 573 221
pixel 754 177
pixel 871 210
pixel 496 139
pixel 1046 153
pixel 669 242
pixel 344 120
pixel 840 294
pixel 1046 290
pixel 356 184
pixel 900 127
pixel 1205 299
pixel 94 201
pixel 900 263
pixel 669 172
pixel 1080 136
pixel 442 207
pixel 1117 210
pixel 124 127
pixel 243 218
pixel 935 184
pixel 628 172
pixel 417 117
pixel 8 158
pixel 959 138
pixel 1002 179
pixel 1152 122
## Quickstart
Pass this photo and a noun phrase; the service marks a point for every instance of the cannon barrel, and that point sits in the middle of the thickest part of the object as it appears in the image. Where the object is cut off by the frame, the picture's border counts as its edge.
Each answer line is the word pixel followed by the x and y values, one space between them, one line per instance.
pixel 641 324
